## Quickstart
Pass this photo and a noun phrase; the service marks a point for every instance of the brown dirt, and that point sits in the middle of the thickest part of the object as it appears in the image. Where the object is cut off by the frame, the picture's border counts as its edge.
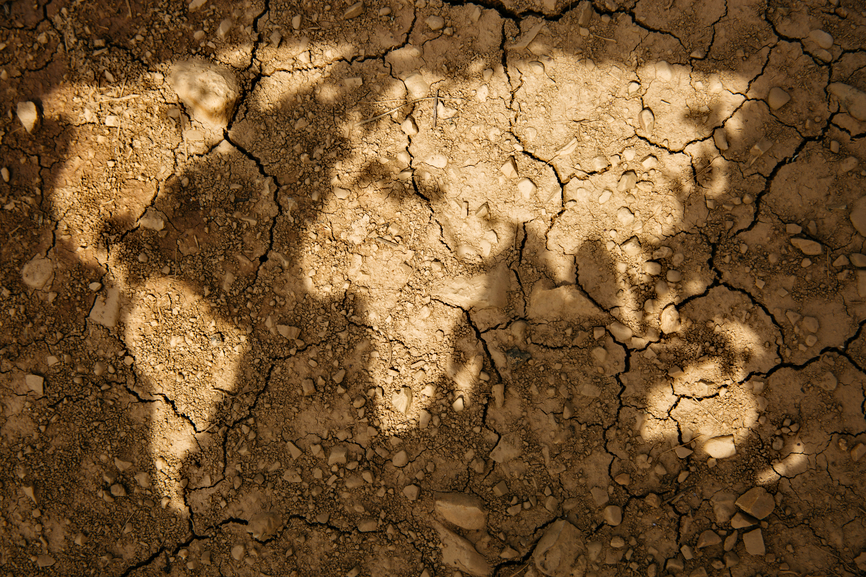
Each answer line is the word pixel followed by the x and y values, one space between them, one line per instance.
pixel 522 287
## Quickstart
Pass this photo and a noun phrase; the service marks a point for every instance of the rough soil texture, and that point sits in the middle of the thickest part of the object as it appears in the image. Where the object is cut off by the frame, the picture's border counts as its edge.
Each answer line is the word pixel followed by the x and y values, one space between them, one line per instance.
pixel 521 287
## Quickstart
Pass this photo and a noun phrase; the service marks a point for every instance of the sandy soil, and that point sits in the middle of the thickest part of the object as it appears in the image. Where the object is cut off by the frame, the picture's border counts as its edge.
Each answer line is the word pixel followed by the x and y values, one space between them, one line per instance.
pixel 521 287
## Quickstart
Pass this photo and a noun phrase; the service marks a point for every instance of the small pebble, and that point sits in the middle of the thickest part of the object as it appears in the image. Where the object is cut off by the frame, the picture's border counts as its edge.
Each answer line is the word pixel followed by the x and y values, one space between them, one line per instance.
pixel 720 447
pixel 435 23
pixel 612 515
pixel 822 39
pixel 777 98
pixel 353 11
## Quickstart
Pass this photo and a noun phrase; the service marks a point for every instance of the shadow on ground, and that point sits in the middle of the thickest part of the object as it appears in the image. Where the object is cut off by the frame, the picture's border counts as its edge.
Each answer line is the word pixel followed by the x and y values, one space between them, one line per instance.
pixel 578 290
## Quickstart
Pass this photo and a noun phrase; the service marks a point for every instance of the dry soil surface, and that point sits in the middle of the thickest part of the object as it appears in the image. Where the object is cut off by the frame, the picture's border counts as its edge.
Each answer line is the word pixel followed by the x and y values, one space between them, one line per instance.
pixel 520 287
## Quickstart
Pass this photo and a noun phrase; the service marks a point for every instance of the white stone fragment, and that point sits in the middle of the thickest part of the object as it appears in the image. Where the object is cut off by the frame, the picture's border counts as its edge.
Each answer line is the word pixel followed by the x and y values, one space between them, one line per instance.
pixel 858 260
pixel 811 324
pixel 210 91
pixel 29 115
pixel 627 181
pixel 625 216
pixel 106 308
pixel 720 447
pixel 402 400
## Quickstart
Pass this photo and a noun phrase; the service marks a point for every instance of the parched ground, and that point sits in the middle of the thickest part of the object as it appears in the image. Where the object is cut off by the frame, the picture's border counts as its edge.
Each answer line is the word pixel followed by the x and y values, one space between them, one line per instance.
pixel 518 287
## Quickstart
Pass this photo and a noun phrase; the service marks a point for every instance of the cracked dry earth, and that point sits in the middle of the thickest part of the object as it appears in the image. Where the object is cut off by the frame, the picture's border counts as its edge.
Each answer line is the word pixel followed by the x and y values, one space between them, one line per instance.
pixel 390 288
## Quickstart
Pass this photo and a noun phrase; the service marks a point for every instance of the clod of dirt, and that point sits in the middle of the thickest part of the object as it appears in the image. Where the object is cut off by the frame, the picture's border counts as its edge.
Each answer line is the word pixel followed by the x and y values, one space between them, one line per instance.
pixel 400 460
pixel 29 115
pixel 561 551
pixel 459 553
pixel 858 215
pixel 210 91
pixel 35 383
pixel 152 219
pixel 263 526
pixel 464 511
pixel 37 272
pixel 852 100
